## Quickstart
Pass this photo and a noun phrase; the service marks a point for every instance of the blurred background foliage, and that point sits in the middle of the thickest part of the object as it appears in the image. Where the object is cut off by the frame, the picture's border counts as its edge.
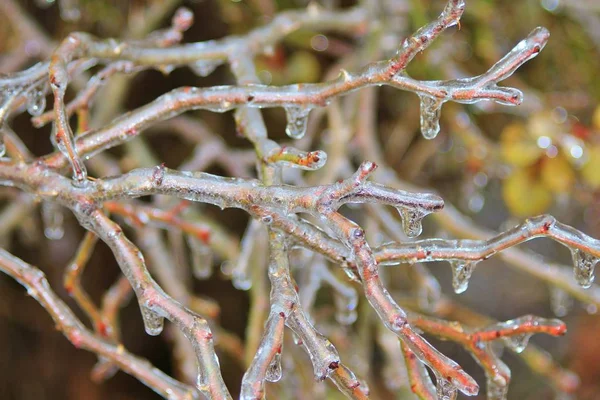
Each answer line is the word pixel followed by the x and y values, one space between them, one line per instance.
pixel 496 163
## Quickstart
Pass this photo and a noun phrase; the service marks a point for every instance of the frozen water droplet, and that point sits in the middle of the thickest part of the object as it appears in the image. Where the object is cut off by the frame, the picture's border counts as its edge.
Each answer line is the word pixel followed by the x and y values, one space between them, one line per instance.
pixel 267 220
pixel 345 75
pixel 445 389
pixel 517 342
pixel 36 102
pixel 411 220
pixel 583 268
pixel 52 217
pixel 297 117
pixel 496 390
pixel 274 372
pixel 205 67
pixel 201 256
pixel 560 302
pixel 431 108
pixel 346 308
pixel 69 10
pixel 153 323
pixel 241 280
pixel 461 273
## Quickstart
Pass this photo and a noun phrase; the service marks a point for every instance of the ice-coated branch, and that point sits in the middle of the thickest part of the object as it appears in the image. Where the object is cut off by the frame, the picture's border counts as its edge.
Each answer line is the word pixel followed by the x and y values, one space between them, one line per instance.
pixel 37 286
pixel 463 254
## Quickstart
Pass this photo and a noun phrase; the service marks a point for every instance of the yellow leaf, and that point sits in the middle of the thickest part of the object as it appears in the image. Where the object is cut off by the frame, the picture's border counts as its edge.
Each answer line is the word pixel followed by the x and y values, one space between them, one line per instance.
pixel 590 172
pixel 525 194
pixel 516 148
pixel 557 174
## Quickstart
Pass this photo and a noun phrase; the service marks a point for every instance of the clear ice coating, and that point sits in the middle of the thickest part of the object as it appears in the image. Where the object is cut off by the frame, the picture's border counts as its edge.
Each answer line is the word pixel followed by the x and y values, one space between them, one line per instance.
pixel 583 267
pixel 52 218
pixel 445 389
pixel 36 102
pixel 153 323
pixel 411 220
pixel 274 371
pixel 517 342
pixel 461 273
pixel 205 67
pixel 431 108
pixel 297 120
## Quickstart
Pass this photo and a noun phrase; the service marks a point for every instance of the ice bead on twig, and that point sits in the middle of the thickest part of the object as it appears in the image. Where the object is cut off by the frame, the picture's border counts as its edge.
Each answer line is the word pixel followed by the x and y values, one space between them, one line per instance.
pixel 411 220
pixel 583 267
pixel 297 120
pixel 431 108
pixel 461 273
pixel 205 67
pixel 445 389
pixel 153 323
pixel 52 217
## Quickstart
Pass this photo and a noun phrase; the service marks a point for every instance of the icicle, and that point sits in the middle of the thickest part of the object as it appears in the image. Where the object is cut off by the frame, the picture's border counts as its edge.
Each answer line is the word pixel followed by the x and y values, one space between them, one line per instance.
pixel 205 67
pixel 584 264
pixel 201 256
pixel 517 342
pixel 297 117
pixel 461 273
pixel 36 102
pixel 241 280
pixel 274 372
pixel 153 323
pixel 52 218
pixel 69 10
pixel 345 306
pixel 445 389
pixel 411 220
pixel 431 108
pixel 560 302
pixel 496 390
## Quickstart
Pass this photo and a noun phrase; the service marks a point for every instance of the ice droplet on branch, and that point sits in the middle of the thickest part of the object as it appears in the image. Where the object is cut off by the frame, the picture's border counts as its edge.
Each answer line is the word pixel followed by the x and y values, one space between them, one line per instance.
pixel 445 389
pixel 411 220
pixel 52 217
pixel 560 302
pixel 36 102
pixel 583 267
pixel 201 256
pixel 205 67
pixel 461 273
pixel 297 120
pixel 153 323
pixel 431 108
pixel 518 342
pixel 274 371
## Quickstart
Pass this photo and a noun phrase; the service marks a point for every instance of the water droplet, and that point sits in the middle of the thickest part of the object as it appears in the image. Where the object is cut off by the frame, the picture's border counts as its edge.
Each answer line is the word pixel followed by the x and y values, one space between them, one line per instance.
pixel 36 102
pixel 267 219
pixel 153 323
pixel 52 218
pixel 431 108
pixel 411 220
pixel 517 342
pixel 205 67
pixel 444 389
pixel 583 268
pixel 297 117
pixel 560 302
pixel 274 372
pixel 461 273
